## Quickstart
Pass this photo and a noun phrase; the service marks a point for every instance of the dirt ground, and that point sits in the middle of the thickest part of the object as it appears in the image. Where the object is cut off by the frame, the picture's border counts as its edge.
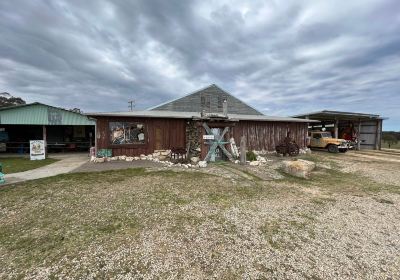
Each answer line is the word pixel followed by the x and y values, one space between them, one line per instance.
pixel 222 222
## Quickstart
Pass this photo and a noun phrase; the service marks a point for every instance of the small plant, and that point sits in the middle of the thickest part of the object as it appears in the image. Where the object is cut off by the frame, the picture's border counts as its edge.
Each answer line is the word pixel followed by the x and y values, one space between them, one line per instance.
pixel 251 156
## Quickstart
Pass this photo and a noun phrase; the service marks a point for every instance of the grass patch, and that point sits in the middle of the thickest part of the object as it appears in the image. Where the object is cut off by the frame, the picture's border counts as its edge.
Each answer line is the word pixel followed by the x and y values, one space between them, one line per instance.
pixel 336 181
pixel 19 164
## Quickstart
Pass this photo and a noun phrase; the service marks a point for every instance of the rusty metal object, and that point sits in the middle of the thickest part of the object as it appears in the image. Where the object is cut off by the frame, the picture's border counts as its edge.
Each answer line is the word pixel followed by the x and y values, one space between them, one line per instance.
pixel 288 147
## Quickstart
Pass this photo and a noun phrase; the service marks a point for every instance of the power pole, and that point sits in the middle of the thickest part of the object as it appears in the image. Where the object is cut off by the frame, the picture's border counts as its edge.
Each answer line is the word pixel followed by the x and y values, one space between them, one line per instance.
pixel 131 104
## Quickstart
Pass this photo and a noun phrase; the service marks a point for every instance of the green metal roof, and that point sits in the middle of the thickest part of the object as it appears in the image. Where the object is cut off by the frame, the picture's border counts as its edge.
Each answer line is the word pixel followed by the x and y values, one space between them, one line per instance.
pixel 41 114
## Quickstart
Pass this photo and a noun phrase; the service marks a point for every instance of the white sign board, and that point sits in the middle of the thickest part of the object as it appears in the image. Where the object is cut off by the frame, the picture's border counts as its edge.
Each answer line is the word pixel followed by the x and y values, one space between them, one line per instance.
pixel 37 149
pixel 209 137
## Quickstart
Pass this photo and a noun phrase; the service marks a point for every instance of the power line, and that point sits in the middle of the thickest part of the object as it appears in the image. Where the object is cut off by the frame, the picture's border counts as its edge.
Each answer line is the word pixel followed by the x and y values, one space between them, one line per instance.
pixel 132 104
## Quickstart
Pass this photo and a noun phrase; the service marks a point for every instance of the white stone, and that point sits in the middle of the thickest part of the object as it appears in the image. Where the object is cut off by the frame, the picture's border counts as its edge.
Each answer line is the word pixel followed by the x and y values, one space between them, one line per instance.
pixel 165 153
pixel 99 160
pixel 156 154
pixel 237 161
pixel 185 166
pixel 298 168
pixel 254 163
pixel 136 158
pixel 202 164
pixel 129 158
pixel 114 158
pixel 149 156
pixel 195 160
pixel 162 158
pixel 122 157
pixel 143 157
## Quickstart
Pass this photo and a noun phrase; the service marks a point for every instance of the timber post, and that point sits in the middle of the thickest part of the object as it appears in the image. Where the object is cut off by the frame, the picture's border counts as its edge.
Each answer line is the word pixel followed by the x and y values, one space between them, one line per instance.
pixel 243 150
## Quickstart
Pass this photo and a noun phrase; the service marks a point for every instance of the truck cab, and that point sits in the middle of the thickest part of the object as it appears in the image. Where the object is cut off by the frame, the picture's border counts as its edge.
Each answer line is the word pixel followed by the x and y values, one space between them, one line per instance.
pixel 324 140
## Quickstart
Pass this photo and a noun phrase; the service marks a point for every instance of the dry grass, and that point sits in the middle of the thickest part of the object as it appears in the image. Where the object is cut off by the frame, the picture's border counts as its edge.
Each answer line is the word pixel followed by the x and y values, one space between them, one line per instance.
pixel 169 224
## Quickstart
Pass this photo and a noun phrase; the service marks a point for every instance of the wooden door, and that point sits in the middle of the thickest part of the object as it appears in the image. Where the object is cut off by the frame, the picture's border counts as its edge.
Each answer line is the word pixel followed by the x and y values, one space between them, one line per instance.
pixel 158 138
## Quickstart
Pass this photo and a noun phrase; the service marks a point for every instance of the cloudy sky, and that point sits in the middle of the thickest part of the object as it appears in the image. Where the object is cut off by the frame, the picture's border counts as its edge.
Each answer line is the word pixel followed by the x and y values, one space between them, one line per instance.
pixel 282 57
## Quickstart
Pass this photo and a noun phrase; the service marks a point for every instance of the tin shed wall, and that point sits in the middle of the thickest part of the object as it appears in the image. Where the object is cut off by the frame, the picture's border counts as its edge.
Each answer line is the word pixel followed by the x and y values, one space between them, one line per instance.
pixel 170 132
pixel 38 114
pixel 266 135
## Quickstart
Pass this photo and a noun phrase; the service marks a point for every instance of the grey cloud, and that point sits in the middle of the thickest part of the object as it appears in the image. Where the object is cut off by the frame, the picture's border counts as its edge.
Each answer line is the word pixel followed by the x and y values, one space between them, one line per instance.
pixel 285 57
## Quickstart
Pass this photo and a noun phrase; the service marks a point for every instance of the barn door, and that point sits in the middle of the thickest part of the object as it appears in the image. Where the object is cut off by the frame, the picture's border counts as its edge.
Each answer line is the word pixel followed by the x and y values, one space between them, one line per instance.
pixel 159 139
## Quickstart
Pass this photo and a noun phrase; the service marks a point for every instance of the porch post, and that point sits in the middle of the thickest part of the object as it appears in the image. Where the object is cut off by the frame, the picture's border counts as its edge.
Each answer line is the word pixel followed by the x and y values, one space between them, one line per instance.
pixel 45 140
pixel 358 135
pixel 336 128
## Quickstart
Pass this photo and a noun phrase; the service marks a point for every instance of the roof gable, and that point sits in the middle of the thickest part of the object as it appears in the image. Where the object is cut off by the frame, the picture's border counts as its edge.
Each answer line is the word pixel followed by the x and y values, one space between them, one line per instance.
pixel 208 99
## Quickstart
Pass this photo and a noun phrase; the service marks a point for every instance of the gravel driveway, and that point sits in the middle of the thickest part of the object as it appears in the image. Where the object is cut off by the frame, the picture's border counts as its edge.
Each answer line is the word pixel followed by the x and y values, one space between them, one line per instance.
pixel 207 224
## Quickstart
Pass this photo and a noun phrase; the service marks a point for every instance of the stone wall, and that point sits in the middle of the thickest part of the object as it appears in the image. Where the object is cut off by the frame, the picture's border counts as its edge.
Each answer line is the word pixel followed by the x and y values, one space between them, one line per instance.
pixel 193 139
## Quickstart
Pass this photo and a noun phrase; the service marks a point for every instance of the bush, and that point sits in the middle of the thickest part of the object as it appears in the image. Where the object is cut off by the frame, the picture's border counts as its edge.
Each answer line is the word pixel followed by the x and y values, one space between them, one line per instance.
pixel 251 156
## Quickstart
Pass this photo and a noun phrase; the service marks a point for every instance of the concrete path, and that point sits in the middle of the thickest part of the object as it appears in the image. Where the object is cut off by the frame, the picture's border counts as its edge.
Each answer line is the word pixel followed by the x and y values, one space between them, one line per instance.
pixel 66 164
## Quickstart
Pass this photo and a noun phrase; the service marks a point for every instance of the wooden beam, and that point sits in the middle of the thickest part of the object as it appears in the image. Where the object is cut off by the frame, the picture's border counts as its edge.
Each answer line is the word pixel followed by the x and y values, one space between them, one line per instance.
pixel 358 135
pixel 336 128
pixel 45 140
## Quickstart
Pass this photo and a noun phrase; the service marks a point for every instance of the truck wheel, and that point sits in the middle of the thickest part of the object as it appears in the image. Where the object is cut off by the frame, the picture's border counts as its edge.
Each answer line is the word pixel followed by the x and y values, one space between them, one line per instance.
pixel 333 149
pixel 342 150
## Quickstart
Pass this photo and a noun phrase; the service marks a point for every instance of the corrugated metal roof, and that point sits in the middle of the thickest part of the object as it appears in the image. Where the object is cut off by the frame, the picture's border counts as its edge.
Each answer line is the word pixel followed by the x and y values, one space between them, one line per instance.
pixel 190 115
pixel 328 114
pixel 41 114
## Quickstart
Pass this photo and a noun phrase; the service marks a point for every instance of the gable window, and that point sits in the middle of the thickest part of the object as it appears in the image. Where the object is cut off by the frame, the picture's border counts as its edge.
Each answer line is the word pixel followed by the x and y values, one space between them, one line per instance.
pixel 126 133
pixel 205 103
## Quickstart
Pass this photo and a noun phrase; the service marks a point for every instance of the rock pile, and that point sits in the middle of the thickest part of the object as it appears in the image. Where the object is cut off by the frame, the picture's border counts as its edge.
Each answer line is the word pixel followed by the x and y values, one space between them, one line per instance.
pixel 161 156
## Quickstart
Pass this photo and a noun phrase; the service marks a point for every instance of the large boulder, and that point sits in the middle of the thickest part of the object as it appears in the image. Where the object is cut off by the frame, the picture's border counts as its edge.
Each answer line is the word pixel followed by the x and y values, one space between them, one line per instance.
pixel 298 168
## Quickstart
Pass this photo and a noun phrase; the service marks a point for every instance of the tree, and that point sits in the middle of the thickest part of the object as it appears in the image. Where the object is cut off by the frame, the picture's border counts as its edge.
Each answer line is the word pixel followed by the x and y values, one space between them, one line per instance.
pixel 390 139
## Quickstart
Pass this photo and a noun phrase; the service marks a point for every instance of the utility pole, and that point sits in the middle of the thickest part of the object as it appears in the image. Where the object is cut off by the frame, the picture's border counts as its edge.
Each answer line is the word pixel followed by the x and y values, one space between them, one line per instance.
pixel 131 104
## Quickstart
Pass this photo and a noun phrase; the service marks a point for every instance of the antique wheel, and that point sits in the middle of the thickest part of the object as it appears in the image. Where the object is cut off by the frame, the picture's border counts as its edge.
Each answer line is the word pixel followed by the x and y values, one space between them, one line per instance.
pixel 333 149
pixel 294 150
pixel 280 150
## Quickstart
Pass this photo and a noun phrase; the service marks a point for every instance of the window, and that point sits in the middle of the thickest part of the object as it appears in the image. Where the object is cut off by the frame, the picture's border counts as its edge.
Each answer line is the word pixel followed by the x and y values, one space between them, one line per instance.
pixel 126 133
pixel 317 135
pixel 326 135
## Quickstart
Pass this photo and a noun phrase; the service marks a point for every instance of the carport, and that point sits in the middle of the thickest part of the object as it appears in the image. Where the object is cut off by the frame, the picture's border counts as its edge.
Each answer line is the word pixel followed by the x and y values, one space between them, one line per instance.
pixel 366 128
pixel 63 130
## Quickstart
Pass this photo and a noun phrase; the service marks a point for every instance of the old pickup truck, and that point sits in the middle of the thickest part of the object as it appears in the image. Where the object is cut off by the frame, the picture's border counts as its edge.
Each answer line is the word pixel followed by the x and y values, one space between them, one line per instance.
pixel 324 140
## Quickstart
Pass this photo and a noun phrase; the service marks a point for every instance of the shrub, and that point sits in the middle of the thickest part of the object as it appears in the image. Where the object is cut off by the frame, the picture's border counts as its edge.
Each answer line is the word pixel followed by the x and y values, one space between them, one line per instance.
pixel 251 156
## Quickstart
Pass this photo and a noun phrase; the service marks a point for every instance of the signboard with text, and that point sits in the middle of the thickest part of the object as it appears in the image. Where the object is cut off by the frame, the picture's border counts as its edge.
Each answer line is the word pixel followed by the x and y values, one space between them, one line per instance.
pixel 37 149
pixel 209 137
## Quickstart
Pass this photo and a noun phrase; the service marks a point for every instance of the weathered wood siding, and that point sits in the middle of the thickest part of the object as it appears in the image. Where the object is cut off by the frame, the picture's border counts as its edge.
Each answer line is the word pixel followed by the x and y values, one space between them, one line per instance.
pixel 170 134
pixel 266 135
pixel 213 97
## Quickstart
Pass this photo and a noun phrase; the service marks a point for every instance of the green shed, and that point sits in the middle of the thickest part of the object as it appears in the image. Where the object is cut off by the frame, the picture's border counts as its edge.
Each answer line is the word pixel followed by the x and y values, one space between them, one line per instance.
pixel 63 130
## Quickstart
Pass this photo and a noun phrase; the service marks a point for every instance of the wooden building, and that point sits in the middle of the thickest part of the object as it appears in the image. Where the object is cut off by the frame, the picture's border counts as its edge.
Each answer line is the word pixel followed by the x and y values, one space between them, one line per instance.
pixel 180 124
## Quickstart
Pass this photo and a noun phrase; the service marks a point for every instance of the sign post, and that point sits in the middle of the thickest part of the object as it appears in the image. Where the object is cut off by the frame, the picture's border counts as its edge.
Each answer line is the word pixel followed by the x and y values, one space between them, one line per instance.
pixel 37 149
